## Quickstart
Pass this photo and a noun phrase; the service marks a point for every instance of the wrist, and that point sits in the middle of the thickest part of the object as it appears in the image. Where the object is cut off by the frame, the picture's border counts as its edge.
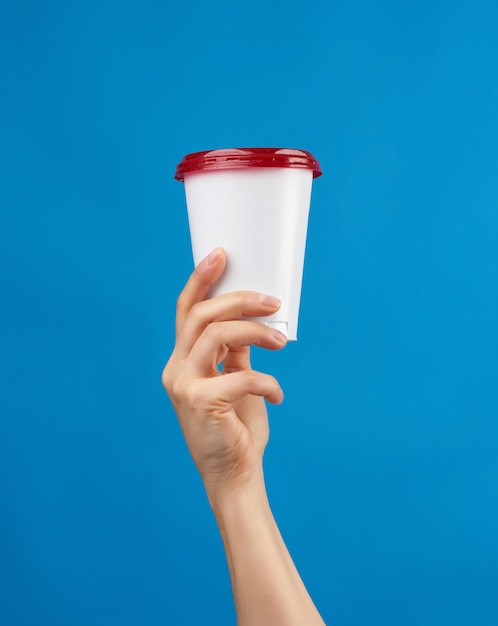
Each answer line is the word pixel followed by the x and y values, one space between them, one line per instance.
pixel 248 494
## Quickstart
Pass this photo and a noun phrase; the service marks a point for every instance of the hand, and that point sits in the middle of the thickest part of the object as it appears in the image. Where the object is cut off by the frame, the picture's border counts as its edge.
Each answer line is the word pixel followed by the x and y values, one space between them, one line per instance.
pixel 222 413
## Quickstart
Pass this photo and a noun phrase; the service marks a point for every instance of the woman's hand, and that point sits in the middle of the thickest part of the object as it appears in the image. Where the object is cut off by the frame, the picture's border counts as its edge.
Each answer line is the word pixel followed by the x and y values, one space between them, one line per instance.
pixel 222 413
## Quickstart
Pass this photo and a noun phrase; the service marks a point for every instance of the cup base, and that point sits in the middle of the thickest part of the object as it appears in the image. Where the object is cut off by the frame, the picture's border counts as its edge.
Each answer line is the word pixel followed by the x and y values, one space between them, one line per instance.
pixel 283 327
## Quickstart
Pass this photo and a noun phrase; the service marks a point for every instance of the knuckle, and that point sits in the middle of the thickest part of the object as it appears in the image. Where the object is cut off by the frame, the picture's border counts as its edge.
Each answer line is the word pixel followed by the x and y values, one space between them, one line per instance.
pixel 241 297
pixel 238 300
pixel 177 389
pixel 250 377
pixel 195 396
pixel 198 311
pixel 172 382
pixel 187 391
pixel 246 297
pixel 214 331
pixel 180 303
pixel 166 377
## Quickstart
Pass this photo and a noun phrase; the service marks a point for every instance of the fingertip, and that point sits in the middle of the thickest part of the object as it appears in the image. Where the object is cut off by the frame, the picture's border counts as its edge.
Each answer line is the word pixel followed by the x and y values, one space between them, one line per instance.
pixel 279 337
pixel 213 264
pixel 206 272
pixel 213 257
pixel 277 397
pixel 269 301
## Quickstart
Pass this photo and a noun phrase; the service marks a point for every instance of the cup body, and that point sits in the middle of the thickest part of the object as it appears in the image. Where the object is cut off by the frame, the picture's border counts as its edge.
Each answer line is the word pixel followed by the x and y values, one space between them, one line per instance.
pixel 259 215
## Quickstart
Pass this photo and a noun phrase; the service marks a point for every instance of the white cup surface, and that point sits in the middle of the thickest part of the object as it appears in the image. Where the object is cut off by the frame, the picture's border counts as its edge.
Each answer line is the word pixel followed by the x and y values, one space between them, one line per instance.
pixel 260 217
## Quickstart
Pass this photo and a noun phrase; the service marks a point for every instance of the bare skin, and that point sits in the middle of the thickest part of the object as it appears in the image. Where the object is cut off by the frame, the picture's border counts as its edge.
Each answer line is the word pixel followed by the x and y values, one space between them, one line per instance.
pixel 225 423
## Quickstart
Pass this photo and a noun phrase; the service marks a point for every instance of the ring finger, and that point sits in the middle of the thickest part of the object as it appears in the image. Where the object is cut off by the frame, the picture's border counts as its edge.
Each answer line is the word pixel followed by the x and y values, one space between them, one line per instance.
pixel 219 337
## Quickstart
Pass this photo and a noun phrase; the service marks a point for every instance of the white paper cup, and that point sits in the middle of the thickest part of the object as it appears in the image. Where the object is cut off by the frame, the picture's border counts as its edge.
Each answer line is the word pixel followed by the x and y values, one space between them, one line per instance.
pixel 254 202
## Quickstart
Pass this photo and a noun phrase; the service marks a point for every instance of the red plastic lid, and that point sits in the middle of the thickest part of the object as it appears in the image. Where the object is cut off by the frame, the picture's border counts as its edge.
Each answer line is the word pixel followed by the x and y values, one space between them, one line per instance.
pixel 239 158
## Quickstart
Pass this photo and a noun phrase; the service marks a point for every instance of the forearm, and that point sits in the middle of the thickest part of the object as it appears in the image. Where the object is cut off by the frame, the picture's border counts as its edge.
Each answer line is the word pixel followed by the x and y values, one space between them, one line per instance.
pixel 266 585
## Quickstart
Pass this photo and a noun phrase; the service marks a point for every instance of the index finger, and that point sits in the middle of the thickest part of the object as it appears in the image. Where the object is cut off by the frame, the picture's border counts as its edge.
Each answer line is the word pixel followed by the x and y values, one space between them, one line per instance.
pixel 205 274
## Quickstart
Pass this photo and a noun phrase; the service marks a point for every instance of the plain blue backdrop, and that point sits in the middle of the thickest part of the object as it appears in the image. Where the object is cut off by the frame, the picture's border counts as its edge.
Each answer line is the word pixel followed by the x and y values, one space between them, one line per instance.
pixel 382 467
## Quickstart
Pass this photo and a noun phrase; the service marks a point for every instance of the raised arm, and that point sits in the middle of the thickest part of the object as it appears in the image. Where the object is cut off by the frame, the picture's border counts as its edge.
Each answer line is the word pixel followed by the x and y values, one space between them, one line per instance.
pixel 224 419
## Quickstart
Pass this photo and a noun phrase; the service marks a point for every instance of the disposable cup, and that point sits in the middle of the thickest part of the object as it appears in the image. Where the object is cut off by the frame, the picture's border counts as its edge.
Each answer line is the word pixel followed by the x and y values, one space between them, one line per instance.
pixel 254 202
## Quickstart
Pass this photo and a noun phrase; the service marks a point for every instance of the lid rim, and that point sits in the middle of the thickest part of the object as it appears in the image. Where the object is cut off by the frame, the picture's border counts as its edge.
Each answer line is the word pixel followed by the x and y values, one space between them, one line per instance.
pixel 244 158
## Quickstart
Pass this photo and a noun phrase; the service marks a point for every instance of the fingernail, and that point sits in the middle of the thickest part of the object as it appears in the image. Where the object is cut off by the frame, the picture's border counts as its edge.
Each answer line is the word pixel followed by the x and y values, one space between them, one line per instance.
pixel 213 256
pixel 278 336
pixel 269 301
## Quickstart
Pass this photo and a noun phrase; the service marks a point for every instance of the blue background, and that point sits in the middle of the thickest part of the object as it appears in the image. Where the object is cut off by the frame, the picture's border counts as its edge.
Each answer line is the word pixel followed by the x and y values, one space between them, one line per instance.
pixel 382 468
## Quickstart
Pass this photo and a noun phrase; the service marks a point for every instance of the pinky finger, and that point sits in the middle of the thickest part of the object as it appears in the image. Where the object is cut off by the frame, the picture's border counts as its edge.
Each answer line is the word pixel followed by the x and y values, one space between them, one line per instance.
pixel 237 385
